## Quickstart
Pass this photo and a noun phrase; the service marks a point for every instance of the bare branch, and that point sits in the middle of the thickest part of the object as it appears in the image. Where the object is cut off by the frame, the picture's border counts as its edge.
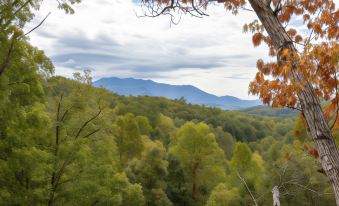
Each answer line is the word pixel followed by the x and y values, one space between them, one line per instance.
pixel 87 122
pixel 91 133
pixel 246 9
pixel 294 108
pixel 38 25
pixel 153 8
pixel 309 189
pixel 65 113
pixel 248 189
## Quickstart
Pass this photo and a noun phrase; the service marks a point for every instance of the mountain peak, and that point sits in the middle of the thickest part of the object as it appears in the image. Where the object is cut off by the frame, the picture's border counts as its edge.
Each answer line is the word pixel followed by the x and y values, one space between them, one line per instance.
pixel 141 87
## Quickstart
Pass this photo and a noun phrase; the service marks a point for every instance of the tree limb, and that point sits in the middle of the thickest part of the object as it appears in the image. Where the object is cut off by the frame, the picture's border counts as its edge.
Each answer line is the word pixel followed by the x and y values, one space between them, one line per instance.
pixel 23 6
pixel 248 189
pixel 91 133
pixel 87 122
pixel 38 25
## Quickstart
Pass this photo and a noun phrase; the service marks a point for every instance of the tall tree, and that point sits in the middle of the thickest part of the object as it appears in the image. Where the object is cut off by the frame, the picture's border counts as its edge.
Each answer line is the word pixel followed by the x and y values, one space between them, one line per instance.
pixel 177 189
pixel 85 165
pixel 14 15
pixel 24 125
pixel 201 157
pixel 306 69
pixel 246 172
pixel 127 138
pixel 150 171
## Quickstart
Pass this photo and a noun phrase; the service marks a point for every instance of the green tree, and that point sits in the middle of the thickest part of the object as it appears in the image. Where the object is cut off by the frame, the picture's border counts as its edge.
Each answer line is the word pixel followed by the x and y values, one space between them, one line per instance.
pixel 85 156
pixel 201 158
pixel 24 159
pixel 85 78
pixel 177 188
pixel 127 138
pixel 222 196
pixel 294 170
pixel 144 126
pixel 151 172
pixel 225 141
pixel 247 167
pixel 164 129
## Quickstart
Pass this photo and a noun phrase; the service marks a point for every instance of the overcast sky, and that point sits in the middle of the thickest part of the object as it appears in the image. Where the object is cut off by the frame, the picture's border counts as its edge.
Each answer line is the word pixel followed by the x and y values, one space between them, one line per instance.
pixel 107 36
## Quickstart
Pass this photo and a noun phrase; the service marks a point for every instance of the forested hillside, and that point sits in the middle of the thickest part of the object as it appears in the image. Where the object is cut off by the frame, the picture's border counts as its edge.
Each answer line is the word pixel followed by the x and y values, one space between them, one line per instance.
pixel 64 142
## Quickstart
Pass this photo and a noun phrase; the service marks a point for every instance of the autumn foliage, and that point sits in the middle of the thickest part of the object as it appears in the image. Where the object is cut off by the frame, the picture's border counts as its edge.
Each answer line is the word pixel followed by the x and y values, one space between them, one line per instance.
pixel 316 57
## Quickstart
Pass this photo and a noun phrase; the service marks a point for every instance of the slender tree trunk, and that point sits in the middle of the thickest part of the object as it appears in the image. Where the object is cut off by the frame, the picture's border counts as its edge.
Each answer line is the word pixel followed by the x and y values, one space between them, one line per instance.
pixel 310 104
pixel 51 198
pixel 194 179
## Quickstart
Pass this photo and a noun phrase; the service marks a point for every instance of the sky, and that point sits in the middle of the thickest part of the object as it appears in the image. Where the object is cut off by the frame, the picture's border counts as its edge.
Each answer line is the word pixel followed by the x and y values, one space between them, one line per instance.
pixel 108 37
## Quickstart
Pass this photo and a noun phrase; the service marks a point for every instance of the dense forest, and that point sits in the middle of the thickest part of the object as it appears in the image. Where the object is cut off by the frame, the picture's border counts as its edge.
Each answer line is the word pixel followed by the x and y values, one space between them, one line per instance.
pixel 65 142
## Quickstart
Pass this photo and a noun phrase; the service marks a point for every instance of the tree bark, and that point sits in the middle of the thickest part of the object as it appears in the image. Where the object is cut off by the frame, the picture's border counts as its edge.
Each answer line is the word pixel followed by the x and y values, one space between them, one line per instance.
pixel 310 104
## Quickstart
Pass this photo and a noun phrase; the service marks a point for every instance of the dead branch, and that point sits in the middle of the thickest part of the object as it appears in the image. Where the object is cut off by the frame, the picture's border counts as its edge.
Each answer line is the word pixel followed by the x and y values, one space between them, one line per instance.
pixel 248 189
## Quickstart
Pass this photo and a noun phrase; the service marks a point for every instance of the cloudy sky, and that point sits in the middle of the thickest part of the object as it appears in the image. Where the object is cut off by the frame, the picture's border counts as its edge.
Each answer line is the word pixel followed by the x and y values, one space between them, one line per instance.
pixel 107 36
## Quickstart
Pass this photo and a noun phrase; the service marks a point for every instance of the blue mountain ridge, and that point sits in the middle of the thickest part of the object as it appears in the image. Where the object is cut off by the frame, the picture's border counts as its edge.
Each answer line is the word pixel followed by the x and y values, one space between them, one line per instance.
pixel 193 95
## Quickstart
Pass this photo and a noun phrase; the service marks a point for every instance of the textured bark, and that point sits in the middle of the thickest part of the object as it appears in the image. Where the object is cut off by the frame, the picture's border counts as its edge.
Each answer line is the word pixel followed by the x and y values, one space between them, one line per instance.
pixel 310 104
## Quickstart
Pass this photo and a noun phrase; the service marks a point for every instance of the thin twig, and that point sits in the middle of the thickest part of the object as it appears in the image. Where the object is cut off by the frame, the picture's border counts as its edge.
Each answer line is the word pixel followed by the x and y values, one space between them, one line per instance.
pixel 248 189
pixel 91 133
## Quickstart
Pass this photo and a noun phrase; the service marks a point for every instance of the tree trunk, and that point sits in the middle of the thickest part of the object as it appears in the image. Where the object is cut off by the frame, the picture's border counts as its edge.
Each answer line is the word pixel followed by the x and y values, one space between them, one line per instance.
pixel 310 104
pixel 276 196
pixel 51 198
pixel 194 180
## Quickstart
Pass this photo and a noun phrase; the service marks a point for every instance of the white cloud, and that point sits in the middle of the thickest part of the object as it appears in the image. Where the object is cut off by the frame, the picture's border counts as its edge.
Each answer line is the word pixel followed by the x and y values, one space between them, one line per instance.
pixel 211 53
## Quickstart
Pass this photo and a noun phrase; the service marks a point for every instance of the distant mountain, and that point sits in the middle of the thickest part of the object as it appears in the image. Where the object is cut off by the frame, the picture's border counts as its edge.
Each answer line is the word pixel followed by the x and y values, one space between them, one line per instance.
pixel 139 87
